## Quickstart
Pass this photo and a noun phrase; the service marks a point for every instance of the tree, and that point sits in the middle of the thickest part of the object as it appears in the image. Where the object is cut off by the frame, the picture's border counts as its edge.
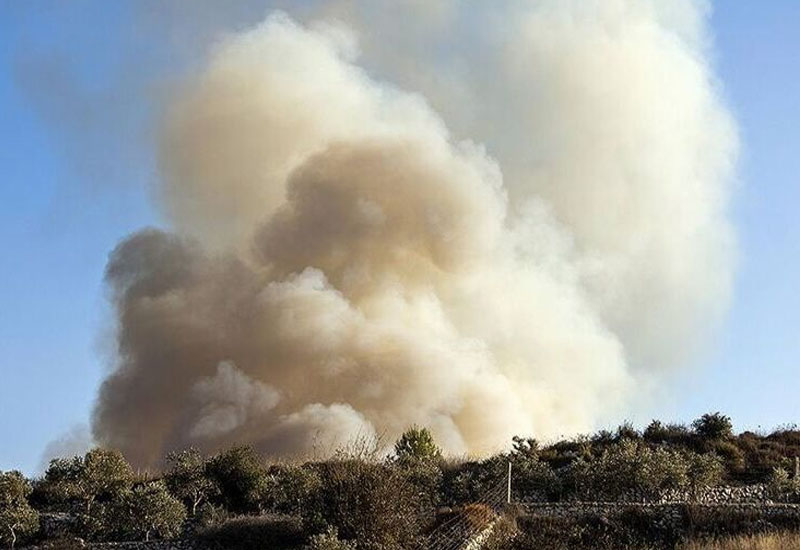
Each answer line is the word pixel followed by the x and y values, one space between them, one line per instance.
pixel 629 468
pixel 99 473
pixel 150 509
pixel 329 540
pixel 703 470
pixel 291 488
pixel 17 518
pixel 713 426
pixel 372 503
pixel 60 483
pixel 188 479
pixel 240 477
pixel 417 444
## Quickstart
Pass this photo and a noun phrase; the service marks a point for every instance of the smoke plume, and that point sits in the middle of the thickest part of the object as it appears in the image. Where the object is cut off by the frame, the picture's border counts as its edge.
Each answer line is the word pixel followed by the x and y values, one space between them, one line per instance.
pixel 509 220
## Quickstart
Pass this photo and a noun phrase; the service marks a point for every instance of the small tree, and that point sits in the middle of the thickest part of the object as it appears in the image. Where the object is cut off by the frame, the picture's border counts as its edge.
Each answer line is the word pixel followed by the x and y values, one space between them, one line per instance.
pixel 629 468
pixel 188 479
pixel 291 489
pixel 329 540
pixel 105 473
pixel 703 470
pixel 17 518
pixel 417 444
pixel 149 509
pixel 99 473
pixel 241 478
pixel 781 487
pixel 371 503
pixel 60 483
pixel 713 426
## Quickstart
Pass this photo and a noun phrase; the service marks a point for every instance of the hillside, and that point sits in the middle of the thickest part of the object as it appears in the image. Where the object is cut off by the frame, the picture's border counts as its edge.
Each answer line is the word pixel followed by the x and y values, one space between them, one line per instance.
pixel 654 488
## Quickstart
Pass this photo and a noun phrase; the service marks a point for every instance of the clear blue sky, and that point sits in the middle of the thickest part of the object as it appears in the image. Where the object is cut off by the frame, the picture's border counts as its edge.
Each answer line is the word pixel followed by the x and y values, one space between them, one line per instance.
pixel 65 201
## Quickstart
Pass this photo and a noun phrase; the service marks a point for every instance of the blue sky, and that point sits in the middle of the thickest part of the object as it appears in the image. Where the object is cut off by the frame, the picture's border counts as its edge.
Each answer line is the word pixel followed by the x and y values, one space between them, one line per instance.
pixel 75 151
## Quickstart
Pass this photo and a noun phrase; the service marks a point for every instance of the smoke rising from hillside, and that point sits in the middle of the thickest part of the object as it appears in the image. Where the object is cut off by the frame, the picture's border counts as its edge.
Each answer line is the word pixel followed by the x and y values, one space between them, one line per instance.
pixel 502 224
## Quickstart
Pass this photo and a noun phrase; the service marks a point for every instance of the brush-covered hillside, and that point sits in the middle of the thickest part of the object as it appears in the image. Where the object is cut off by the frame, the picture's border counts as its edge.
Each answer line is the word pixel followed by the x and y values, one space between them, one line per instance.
pixel 416 498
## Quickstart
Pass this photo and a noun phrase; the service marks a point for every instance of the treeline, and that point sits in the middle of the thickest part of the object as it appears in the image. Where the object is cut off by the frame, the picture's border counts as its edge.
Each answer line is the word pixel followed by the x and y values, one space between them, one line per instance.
pixel 359 500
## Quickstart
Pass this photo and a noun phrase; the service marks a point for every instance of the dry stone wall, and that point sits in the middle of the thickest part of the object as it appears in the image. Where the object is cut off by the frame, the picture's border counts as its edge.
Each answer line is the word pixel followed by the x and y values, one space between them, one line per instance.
pixel 671 513
pixel 141 545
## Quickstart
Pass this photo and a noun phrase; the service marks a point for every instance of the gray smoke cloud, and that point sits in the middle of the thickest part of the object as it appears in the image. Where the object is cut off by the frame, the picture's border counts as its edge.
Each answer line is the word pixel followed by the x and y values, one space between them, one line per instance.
pixel 510 220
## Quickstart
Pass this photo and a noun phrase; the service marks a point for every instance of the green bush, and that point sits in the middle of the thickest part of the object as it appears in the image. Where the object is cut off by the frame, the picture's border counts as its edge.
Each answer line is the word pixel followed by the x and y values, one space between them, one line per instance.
pixel 188 479
pixel 329 540
pixel 208 515
pixel 241 478
pixel 101 474
pixel 417 444
pixel 149 510
pixel 713 426
pixel 371 503
pixel 782 487
pixel 632 467
pixel 18 520
pixel 291 489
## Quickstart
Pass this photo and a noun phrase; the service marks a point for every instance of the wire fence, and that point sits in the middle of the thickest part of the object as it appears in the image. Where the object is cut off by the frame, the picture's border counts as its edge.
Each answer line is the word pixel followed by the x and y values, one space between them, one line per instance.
pixel 456 532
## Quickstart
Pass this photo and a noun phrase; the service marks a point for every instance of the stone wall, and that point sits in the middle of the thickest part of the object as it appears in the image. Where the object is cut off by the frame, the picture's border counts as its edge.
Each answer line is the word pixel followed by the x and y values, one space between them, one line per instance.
pixel 726 494
pixel 141 545
pixel 744 494
pixel 672 513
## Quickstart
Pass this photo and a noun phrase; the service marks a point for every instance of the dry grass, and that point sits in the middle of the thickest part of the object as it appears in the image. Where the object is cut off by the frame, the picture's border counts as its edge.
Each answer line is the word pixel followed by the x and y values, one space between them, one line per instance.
pixel 786 541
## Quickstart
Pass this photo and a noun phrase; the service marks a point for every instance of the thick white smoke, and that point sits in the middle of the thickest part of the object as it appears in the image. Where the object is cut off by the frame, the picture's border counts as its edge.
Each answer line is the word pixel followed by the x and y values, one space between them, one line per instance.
pixel 342 265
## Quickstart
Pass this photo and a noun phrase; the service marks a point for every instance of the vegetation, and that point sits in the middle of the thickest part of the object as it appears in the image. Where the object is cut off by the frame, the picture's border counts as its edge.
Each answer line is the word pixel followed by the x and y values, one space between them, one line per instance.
pixel 771 541
pixel 148 509
pixel 99 474
pixel 17 518
pixel 417 444
pixel 632 528
pixel 188 478
pixel 358 500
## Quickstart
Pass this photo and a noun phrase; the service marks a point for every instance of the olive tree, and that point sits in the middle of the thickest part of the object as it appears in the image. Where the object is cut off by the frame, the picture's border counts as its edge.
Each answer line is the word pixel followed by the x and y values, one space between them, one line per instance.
pixel 630 467
pixel 703 470
pixel 17 518
pixel 241 478
pixel 188 478
pixel 149 509
pixel 99 473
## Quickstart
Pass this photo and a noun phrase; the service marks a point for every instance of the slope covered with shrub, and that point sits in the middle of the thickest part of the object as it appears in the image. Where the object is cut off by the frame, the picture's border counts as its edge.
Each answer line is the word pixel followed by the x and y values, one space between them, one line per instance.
pixel 365 498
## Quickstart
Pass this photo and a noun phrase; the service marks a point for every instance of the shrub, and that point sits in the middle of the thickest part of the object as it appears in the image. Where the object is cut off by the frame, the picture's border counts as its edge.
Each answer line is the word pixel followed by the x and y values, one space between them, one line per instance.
pixel 470 481
pixel 627 528
pixel 208 515
pixel 291 489
pixel 17 519
pixel 713 426
pixel 626 431
pixel 416 444
pixel 629 467
pixel 188 479
pixel 426 479
pixel 783 488
pixel 241 478
pixel 533 479
pixel 703 470
pixel 99 474
pixel 370 503
pixel 272 531
pixel 148 509
pixel 329 540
